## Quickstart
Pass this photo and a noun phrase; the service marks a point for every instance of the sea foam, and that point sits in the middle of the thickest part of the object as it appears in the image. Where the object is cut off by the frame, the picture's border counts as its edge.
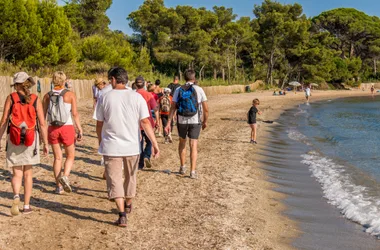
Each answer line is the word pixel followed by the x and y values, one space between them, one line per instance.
pixel 340 191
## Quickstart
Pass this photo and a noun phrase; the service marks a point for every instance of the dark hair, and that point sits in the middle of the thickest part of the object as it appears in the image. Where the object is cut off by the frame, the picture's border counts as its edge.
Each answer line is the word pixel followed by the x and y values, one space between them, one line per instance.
pixel 189 75
pixel 120 74
pixel 176 78
pixel 140 84
pixel 158 82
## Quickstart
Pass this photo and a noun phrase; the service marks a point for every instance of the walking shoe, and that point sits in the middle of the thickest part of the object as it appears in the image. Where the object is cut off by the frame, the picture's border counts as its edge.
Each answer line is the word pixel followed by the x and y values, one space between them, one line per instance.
pixel 147 163
pixel 159 135
pixel 27 210
pixel 59 190
pixel 166 140
pixel 15 209
pixel 122 221
pixel 64 180
pixel 193 175
pixel 170 138
pixel 182 170
pixel 253 142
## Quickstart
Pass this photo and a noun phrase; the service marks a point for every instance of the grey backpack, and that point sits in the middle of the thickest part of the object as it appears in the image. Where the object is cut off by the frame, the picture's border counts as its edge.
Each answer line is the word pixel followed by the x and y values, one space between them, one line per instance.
pixel 57 113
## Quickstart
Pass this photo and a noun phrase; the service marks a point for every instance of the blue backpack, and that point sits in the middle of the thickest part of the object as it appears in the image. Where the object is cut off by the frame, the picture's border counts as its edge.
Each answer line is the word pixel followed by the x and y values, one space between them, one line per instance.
pixel 187 103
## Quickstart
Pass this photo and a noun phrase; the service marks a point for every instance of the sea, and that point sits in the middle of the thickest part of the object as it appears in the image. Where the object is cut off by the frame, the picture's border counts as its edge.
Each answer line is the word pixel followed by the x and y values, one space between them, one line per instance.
pixel 325 156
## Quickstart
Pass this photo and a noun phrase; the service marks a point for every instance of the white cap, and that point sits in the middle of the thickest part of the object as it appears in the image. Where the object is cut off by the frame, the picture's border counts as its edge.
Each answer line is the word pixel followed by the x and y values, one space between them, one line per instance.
pixel 167 90
pixel 21 77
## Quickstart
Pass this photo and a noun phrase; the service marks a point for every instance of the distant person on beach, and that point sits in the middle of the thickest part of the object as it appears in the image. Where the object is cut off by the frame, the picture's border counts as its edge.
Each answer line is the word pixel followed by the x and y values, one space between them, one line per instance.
pixel 164 106
pixel 252 119
pixel 372 89
pixel 307 93
pixel 146 151
pixel 119 115
pixel 174 85
pixel 158 89
pixel 190 102
pixel 23 117
pixel 60 108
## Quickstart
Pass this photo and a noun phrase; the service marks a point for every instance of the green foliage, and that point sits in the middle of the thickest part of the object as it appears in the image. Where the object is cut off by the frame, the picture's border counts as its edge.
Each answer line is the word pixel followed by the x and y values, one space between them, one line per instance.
pixel 279 45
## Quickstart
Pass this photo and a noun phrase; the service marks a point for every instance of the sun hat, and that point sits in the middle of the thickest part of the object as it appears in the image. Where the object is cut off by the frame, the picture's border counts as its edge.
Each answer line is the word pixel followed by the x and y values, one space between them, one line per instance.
pixel 167 90
pixel 21 77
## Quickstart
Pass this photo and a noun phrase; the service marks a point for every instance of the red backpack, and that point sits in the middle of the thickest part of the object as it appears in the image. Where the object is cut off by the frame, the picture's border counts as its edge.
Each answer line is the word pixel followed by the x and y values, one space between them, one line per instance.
pixel 23 120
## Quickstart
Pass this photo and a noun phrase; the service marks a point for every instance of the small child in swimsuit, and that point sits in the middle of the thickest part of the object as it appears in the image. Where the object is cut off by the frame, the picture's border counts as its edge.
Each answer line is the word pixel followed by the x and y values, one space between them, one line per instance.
pixel 252 119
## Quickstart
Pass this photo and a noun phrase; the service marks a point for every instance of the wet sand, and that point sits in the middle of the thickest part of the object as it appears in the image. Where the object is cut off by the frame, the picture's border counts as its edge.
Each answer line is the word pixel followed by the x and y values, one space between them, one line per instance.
pixel 231 206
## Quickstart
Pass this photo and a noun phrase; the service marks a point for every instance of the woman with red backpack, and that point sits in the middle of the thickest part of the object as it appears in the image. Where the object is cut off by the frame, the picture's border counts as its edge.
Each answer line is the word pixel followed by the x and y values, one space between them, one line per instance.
pixel 24 120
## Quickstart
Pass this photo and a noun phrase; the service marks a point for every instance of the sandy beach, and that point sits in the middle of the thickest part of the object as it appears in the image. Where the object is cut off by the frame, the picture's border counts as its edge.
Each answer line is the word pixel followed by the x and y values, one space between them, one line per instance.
pixel 231 205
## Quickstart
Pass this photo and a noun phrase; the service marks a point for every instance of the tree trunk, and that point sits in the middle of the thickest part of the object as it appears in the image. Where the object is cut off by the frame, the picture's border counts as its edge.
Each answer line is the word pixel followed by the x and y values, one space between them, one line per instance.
pixel 270 69
pixel 223 75
pixel 229 68
pixel 235 73
pixel 179 71
pixel 215 73
pixel 375 66
pixel 352 50
pixel 200 73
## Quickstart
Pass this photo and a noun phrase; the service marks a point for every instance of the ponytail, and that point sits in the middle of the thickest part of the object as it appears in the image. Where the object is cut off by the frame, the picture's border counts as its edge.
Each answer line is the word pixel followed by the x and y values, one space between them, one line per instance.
pixel 25 87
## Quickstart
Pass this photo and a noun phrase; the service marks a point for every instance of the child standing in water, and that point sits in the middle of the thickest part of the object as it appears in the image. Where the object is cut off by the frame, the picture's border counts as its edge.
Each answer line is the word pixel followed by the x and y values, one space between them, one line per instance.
pixel 252 119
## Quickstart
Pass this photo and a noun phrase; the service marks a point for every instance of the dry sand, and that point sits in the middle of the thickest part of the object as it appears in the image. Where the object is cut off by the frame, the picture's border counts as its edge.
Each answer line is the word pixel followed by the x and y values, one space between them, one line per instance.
pixel 231 205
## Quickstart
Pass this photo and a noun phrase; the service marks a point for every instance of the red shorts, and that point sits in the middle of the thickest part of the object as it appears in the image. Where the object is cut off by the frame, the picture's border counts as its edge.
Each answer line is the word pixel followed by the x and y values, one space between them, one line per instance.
pixel 61 135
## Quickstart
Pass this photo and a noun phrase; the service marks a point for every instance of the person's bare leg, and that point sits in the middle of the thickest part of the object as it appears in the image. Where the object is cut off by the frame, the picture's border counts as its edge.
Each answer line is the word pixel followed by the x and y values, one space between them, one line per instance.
pixel 57 166
pixel 182 151
pixel 120 204
pixel 70 155
pixel 17 179
pixel 28 184
pixel 193 153
pixel 254 131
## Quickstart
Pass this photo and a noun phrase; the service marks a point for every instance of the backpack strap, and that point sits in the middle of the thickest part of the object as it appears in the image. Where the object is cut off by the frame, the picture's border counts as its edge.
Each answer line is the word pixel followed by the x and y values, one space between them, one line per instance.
pixel 63 92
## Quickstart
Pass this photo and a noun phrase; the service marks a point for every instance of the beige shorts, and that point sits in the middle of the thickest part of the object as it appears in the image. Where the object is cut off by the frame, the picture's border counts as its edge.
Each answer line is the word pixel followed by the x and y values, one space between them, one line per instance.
pixel 116 186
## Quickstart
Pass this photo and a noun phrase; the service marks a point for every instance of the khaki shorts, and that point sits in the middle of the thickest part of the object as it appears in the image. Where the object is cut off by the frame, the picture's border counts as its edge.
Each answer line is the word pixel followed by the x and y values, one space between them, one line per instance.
pixel 116 186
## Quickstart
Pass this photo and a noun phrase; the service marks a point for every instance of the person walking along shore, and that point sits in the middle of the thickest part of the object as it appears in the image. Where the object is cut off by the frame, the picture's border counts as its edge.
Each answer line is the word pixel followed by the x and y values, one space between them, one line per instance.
pixel 190 102
pixel 24 118
pixel 119 115
pixel 60 108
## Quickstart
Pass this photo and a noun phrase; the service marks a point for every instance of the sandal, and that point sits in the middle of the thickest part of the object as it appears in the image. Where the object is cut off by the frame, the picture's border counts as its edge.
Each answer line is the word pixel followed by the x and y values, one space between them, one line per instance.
pixel 128 208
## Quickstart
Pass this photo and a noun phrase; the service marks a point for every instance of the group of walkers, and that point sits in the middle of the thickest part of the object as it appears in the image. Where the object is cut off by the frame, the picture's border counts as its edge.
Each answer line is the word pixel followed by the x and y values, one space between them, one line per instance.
pixel 125 123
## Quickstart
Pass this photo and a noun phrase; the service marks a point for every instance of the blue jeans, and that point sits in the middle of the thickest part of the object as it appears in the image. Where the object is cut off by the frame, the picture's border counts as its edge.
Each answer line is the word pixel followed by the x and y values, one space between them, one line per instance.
pixel 145 152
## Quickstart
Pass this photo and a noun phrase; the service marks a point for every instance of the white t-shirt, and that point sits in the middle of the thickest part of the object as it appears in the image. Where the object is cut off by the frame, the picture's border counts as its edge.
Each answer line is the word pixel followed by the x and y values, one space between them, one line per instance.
pixel 121 111
pixel 307 91
pixel 201 96
pixel 99 94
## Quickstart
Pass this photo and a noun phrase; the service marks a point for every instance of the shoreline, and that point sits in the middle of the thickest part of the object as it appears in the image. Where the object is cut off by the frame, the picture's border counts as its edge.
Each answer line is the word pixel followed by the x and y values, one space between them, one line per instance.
pixel 281 107
pixel 232 206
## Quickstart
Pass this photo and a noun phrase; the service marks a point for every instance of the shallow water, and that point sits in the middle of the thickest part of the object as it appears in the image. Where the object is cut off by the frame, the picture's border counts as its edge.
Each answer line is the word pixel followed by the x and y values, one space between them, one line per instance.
pixel 325 157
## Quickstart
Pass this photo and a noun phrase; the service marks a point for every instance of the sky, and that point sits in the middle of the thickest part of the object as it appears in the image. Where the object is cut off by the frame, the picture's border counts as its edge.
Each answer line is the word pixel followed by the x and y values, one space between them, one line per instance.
pixel 120 9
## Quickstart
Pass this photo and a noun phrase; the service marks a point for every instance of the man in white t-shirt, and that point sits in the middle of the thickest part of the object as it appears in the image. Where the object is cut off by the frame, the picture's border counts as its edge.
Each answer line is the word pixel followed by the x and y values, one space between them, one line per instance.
pixel 119 115
pixel 190 119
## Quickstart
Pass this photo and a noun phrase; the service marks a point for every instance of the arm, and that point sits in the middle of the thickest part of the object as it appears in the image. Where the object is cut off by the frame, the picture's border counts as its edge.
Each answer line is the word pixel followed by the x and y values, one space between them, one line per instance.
pixel 145 124
pixel 43 126
pixel 5 118
pixel 173 108
pixel 74 111
pixel 99 128
pixel 205 115
pixel 45 104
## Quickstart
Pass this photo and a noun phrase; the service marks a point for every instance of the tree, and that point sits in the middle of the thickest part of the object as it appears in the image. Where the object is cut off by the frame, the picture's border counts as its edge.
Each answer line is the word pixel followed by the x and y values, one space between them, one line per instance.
pixel 277 25
pixel 88 17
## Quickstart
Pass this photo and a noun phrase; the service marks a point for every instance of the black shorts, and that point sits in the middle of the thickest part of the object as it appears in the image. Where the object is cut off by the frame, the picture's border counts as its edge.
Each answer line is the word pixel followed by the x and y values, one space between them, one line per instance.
pixel 189 130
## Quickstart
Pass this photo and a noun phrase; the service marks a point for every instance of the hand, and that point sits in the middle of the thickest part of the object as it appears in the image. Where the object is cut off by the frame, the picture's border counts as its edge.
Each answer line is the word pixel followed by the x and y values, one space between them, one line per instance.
pixel 204 125
pixel 46 150
pixel 80 136
pixel 156 151
pixel 167 128
pixel 260 112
